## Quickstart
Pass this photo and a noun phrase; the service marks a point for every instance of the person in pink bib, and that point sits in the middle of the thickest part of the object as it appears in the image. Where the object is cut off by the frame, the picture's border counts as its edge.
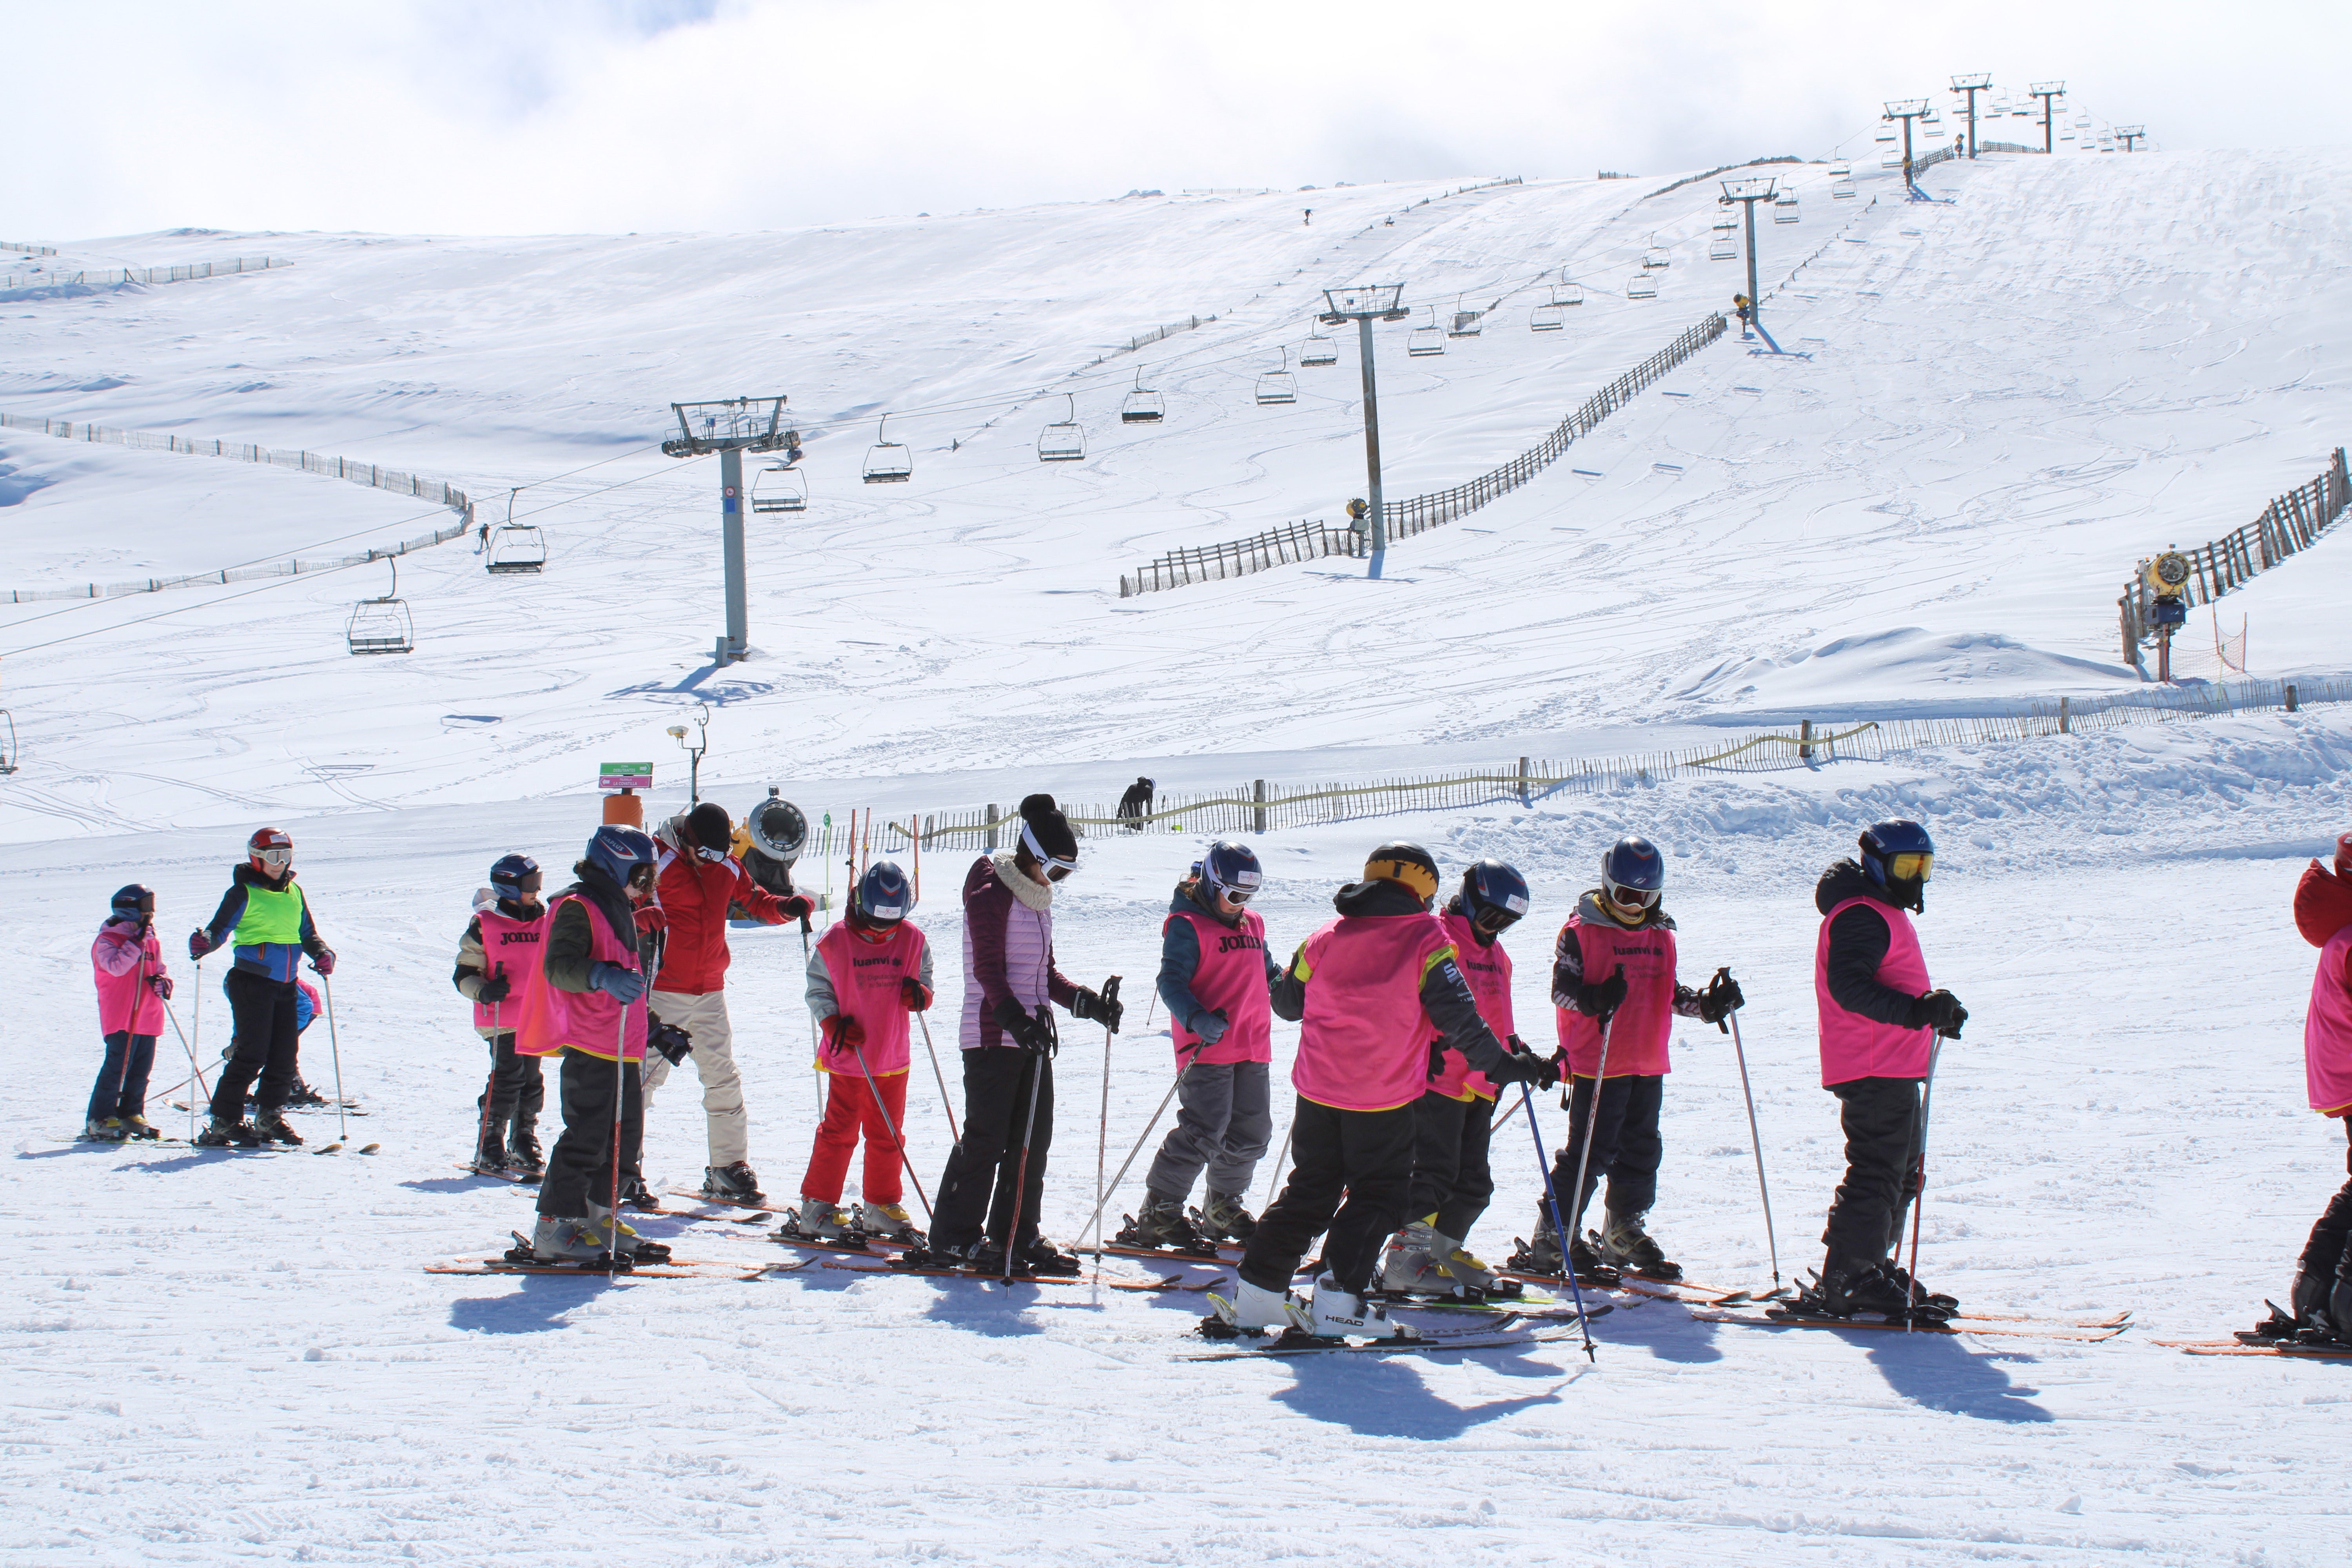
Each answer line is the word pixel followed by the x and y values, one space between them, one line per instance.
pixel 1367 990
pixel 1880 1017
pixel 127 962
pixel 495 959
pixel 1614 990
pixel 2319 1309
pixel 1216 975
pixel 868 973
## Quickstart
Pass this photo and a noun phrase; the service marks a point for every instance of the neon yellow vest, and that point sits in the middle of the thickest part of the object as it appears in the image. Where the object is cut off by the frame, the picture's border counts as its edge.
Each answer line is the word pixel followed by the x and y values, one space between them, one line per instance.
pixel 270 917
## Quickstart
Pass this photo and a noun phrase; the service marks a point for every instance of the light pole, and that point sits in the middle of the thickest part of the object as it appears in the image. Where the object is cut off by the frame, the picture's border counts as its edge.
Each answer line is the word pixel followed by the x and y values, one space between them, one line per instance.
pixel 1364 305
pixel 2048 92
pixel 730 427
pixel 1972 85
pixel 1748 193
pixel 694 750
pixel 1907 110
pixel 2132 134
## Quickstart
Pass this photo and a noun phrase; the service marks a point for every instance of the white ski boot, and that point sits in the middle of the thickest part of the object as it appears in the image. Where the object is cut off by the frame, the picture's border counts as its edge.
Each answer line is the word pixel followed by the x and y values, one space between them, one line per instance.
pixel 820 1219
pixel 1255 1310
pixel 565 1238
pixel 1338 1312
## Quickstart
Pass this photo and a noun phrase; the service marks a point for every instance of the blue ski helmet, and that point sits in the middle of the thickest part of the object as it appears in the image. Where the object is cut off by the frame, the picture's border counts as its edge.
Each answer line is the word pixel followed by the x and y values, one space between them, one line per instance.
pixel 1633 874
pixel 618 851
pixel 1494 896
pixel 133 903
pixel 885 897
pixel 1885 846
pixel 508 875
pixel 1229 870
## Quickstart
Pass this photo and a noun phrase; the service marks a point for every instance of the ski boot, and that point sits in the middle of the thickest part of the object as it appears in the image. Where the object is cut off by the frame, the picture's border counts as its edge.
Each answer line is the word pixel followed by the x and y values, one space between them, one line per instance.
pixel 135 1126
pixel 1409 1265
pixel 1903 1281
pixel 1471 1272
pixel 1042 1256
pixel 271 1122
pixel 732 1183
pixel 1627 1248
pixel 929 1257
pixel 888 1223
pixel 637 1195
pixel 2329 1320
pixel 1163 1227
pixel 565 1239
pixel 223 1132
pixel 1223 1218
pixel 302 1096
pixel 624 1240
pixel 1336 1313
pixel 1847 1287
pixel 106 1130
pixel 1253 1311
pixel 490 1157
pixel 817 1219
pixel 988 1258
pixel 1541 1257
pixel 523 1151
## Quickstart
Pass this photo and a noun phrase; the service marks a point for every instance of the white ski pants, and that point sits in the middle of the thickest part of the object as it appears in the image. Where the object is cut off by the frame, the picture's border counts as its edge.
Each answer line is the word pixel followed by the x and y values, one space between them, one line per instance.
pixel 704 1016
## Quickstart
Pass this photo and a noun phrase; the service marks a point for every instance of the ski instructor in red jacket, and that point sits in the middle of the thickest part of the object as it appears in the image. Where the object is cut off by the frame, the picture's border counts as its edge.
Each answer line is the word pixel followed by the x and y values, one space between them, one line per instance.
pixel 699 878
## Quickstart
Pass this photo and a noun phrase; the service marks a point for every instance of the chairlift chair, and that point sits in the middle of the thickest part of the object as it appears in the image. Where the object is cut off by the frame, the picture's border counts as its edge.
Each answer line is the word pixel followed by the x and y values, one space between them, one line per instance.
pixel 1842 170
pixel 1465 322
pixel 1063 441
pixel 1277 385
pixel 1318 350
pixel 9 759
pixel 1841 188
pixel 779 487
pixel 888 462
pixel 1640 286
pixel 1656 258
pixel 1883 133
pixel 516 547
pixel 1784 207
pixel 1143 405
pixel 1426 339
pixel 1569 292
pixel 381 625
pixel 1893 159
pixel 1547 319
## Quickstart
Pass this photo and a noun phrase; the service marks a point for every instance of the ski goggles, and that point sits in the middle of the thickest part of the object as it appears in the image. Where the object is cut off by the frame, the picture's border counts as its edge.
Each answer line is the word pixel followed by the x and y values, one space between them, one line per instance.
pixel 1236 897
pixel 275 859
pixel 705 852
pixel 1911 866
pixel 1633 898
pixel 1493 920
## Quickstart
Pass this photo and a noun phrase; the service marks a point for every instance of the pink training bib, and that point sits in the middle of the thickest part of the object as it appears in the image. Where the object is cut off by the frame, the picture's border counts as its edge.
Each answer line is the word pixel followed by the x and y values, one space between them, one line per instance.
pixel 1231 975
pixel 1854 1046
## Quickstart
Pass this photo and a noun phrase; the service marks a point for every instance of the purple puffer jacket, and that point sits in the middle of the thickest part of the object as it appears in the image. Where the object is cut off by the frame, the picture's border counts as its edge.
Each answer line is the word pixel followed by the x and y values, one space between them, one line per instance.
pixel 1008 951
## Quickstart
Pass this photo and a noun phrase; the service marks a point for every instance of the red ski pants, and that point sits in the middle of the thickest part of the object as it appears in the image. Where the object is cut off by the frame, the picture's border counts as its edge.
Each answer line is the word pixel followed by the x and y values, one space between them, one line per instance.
pixel 849 1110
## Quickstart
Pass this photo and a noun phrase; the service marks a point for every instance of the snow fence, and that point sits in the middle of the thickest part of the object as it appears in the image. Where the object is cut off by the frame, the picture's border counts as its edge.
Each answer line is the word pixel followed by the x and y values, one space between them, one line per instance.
pixel 2292 523
pixel 23 281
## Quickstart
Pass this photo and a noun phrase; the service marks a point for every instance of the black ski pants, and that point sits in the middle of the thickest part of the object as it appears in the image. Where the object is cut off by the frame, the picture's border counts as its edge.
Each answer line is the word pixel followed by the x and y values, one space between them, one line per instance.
pixel 1451 1175
pixel 121 1087
pixel 1883 1167
pixel 1626 1147
pixel 986 1162
pixel 265 1043
pixel 516 1091
pixel 580 1170
pixel 1351 1175
pixel 2329 1252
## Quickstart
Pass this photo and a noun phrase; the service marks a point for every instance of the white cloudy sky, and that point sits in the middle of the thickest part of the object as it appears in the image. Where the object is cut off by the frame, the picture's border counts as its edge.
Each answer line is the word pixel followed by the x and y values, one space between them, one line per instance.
pixel 515 116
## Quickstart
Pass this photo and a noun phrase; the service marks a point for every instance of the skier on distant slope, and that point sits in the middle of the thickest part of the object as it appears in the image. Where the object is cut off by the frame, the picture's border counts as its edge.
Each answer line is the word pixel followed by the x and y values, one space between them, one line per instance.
pixel 1880 1017
pixel 2320 1300
pixel 127 962
pixel 495 959
pixel 1368 989
pixel 868 973
pixel 1214 976
pixel 699 878
pixel 267 918
pixel 1622 934
pixel 1452 1180
pixel 1010 981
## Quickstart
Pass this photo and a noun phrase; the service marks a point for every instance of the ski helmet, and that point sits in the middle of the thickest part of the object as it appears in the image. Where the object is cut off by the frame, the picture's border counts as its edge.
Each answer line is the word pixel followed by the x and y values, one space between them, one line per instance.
pixel 269 851
pixel 884 895
pixel 1230 872
pixel 515 878
pixel 133 903
pixel 1494 896
pixel 1899 856
pixel 1409 864
pixel 621 853
pixel 1633 876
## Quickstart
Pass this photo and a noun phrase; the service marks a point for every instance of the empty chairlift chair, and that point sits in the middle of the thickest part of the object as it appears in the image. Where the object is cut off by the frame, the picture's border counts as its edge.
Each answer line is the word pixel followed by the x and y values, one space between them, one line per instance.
pixel 1656 259
pixel 1547 319
pixel 1784 207
pixel 1641 285
pixel 888 462
pixel 779 487
pixel 1318 349
pixel 1063 441
pixel 1277 385
pixel 516 547
pixel 381 625
pixel 1723 242
pixel 1143 405
pixel 1567 293
pixel 1841 181
pixel 1426 339
pixel 9 759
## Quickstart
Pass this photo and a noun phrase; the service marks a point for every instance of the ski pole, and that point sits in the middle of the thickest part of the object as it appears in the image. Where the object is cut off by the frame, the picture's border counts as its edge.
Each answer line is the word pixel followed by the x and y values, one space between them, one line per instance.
pixel 1551 1196
pixel 1504 1120
pixel 198 1079
pixel 1919 1165
pixel 192 1040
pixel 1102 1126
pixel 334 1046
pixel 1102 1201
pixel 1021 1172
pixel 490 1084
pixel 620 1098
pixel 895 1141
pixel 1274 1172
pixel 1584 1156
pixel 945 1103
pixel 1756 1140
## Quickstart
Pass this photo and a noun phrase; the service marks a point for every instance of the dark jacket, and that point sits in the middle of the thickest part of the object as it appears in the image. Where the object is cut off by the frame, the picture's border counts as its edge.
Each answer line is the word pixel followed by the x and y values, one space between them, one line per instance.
pixel 1858 943
pixel 1444 994
pixel 570 937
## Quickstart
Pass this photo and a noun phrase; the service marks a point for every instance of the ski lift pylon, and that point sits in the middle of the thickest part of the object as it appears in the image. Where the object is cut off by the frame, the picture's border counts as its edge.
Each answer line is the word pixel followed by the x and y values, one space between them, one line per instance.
pixel 1426 339
pixel 381 625
pixel 1143 405
pixel 1063 441
pixel 888 462
pixel 1318 349
pixel 1277 385
pixel 780 487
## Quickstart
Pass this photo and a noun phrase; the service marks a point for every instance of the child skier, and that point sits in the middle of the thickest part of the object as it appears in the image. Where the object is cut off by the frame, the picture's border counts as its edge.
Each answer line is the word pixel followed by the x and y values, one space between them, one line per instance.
pixel 1216 976
pixel 2321 1298
pixel 495 959
pixel 1880 1017
pixel 127 962
pixel 866 973
pixel 1622 934
pixel 266 918
pixel 1451 1177
pixel 1368 989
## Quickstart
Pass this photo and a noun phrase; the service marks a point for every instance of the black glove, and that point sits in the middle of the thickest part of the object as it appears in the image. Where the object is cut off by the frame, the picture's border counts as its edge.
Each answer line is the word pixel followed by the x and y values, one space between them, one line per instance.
pixel 674 1042
pixel 1940 1011
pixel 497 988
pixel 1102 1007
pixel 160 985
pixel 1721 998
pixel 1523 1065
pixel 1600 1000
pixel 1027 1031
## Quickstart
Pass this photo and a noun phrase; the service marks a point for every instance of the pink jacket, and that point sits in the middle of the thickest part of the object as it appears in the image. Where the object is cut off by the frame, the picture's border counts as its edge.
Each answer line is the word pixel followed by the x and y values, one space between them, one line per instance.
pixel 120 961
pixel 2323 913
pixel 1488 970
pixel 1854 1046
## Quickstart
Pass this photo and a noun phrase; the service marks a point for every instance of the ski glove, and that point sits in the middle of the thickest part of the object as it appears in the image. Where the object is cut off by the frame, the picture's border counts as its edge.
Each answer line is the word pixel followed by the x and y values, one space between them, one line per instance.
pixel 1601 998
pixel 496 989
pixel 794 907
pixel 160 985
pixel 1523 1065
pixel 1104 1007
pixel 1721 997
pixel 323 961
pixel 674 1042
pixel 623 985
pixel 199 944
pixel 843 1032
pixel 1210 1025
pixel 1027 1032
pixel 913 994
pixel 1940 1011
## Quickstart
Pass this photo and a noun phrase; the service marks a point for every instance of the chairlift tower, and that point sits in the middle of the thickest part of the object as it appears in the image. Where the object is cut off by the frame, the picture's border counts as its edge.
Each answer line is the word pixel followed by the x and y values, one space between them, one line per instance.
pixel 732 427
pixel 1748 193
pixel 1971 84
pixel 1907 110
pixel 2048 92
pixel 1364 305
pixel 2132 135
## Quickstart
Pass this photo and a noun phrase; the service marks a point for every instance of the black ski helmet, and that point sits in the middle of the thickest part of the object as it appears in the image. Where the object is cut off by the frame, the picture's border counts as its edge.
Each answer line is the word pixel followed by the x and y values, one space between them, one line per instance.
pixel 134 902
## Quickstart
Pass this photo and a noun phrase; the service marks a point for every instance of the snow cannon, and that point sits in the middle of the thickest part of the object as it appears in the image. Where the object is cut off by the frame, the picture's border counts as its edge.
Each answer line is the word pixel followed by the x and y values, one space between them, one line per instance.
pixel 778 832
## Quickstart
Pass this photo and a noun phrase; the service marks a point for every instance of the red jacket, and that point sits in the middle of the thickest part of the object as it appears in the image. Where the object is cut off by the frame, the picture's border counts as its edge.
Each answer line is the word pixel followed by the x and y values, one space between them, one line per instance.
pixel 694 895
